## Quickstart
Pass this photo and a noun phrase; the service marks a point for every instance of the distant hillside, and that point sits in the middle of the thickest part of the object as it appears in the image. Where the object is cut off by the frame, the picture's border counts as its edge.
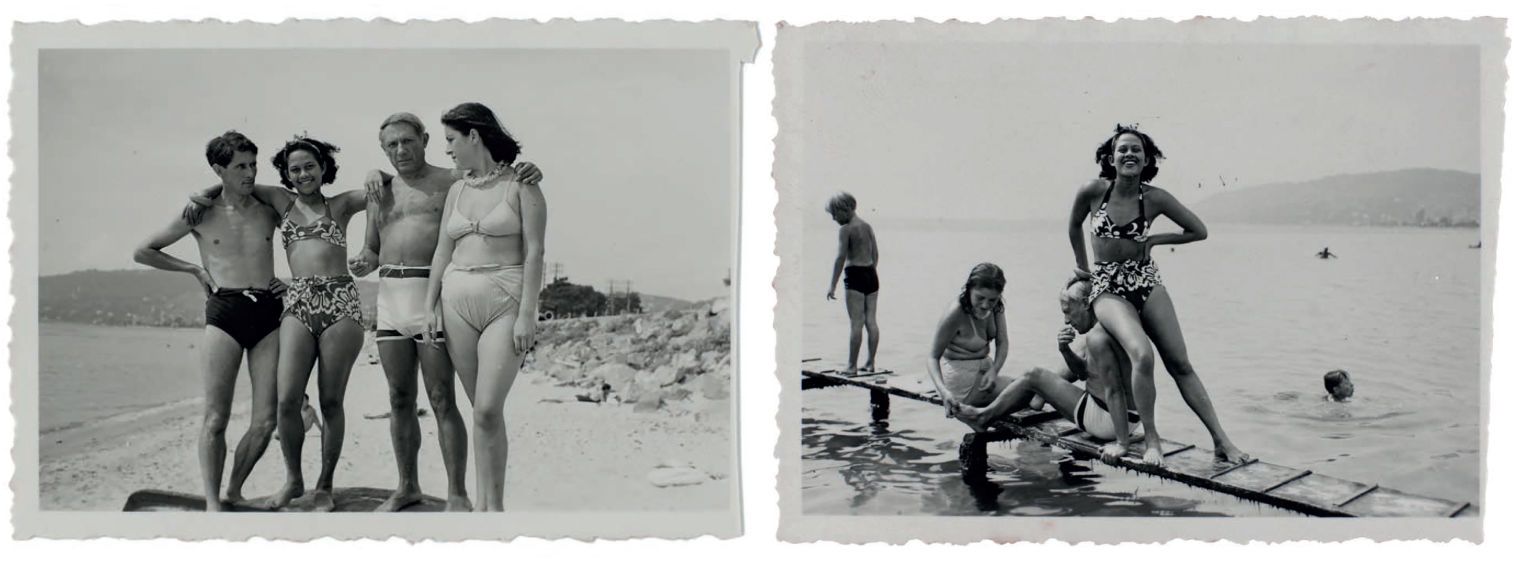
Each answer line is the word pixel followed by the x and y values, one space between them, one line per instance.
pixel 1415 197
pixel 656 303
pixel 138 297
pixel 149 297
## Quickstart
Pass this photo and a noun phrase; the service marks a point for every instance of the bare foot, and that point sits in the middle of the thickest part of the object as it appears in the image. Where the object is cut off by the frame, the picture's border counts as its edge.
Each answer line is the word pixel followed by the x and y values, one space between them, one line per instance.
pixel 972 416
pixel 399 500
pixel 235 497
pixel 849 372
pixel 214 504
pixel 1228 452
pixel 321 501
pixel 1152 454
pixel 459 503
pixel 290 491
pixel 869 367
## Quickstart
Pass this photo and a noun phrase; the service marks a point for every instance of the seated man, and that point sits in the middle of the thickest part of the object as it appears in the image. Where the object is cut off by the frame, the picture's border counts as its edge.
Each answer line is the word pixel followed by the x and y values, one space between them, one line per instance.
pixel 1103 368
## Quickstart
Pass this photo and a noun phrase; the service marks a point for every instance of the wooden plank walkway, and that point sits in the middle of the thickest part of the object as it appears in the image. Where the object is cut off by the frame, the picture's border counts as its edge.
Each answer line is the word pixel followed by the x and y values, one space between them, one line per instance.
pixel 1290 488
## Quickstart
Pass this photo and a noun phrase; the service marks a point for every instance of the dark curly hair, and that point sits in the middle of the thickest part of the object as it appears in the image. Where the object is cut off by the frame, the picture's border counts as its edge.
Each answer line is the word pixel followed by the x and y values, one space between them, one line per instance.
pixel 220 150
pixel 471 116
pixel 1106 150
pixel 984 275
pixel 322 151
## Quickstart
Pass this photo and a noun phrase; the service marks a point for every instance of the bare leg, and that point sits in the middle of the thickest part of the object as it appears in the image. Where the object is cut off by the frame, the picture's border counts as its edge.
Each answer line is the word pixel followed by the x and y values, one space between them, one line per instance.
pixel 298 351
pixel 399 360
pixel 221 357
pixel 463 345
pixel 339 348
pixel 1161 323
pixel 1123 323
pixel 261 374
pixel 873 334
pixel 855 304
pixel 438 377
pixel 499 362
pixel 1015 396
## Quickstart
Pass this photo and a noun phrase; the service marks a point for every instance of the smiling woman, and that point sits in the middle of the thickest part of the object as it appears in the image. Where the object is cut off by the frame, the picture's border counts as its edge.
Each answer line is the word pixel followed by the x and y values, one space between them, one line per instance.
pixel 1127 295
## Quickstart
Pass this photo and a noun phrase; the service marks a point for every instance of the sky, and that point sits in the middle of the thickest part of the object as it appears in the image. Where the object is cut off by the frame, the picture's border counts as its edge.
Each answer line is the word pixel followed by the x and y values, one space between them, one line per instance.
pixel 986 130
pixel 634 144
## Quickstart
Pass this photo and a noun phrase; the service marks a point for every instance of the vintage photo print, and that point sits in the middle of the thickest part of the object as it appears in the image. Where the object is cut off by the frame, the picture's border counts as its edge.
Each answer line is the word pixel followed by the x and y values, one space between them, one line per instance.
pixel 1135 281
pixel 300 271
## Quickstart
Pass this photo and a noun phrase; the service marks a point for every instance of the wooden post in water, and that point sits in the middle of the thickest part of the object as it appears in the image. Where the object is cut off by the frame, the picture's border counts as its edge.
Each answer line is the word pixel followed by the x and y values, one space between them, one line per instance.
pixel 973 453
pixel 881 405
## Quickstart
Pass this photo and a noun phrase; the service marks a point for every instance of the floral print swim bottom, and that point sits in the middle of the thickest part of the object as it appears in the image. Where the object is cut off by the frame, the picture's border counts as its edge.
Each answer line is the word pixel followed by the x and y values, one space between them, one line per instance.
pixel 1130 279
pixel 323 300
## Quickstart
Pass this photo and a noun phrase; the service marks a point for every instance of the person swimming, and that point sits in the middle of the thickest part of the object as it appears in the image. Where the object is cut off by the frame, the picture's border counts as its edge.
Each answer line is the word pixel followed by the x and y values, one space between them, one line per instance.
pixel 1325 254
pixel 1338 385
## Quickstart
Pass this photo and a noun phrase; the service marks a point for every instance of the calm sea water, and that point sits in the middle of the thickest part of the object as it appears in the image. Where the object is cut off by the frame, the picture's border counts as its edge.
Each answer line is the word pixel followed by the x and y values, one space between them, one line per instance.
pixel 93 373
pixel 1264 320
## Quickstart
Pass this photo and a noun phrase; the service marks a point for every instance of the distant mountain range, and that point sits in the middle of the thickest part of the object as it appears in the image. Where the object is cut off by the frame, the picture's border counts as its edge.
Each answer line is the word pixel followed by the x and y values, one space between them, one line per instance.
pixel 150 297
pixel 1413 197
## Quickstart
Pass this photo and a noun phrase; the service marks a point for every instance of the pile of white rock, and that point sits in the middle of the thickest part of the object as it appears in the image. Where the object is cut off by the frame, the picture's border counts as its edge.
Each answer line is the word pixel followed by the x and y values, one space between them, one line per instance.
pixel 651 361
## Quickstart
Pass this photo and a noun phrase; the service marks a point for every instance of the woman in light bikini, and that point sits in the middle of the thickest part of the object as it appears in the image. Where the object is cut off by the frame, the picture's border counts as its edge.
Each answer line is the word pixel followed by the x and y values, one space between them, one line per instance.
pixel 971 344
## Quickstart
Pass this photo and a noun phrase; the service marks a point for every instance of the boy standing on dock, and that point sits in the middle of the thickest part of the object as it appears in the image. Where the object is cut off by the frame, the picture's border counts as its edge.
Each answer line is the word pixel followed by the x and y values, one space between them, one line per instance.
pixel 857 259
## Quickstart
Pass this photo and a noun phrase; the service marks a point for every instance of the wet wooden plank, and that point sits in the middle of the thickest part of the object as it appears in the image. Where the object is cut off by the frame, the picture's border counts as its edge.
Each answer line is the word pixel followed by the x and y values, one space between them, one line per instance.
pixel 1283 486
pixel 1318 490
pixel 1258 476
pixel 1383 502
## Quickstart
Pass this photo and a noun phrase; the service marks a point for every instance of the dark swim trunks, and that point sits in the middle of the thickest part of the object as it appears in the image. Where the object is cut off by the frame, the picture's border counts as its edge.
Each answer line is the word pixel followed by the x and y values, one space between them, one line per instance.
pixel 245 314
pixel 861 278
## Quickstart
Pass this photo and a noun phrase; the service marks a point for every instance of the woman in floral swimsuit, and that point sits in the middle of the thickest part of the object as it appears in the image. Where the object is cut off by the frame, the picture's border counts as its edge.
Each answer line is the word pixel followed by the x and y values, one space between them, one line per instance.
pixel 1128 297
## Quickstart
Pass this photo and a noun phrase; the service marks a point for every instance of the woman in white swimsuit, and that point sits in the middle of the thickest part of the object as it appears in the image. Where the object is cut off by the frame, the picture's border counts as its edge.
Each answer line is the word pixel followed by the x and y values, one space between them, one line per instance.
pixel 486 276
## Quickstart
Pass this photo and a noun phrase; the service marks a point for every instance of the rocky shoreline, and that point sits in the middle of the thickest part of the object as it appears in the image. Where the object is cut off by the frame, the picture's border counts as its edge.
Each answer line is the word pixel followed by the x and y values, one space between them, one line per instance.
pixel 661 361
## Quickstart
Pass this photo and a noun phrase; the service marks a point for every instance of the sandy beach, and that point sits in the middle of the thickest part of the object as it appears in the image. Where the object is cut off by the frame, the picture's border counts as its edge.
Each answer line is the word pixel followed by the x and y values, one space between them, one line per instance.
pixel 659 387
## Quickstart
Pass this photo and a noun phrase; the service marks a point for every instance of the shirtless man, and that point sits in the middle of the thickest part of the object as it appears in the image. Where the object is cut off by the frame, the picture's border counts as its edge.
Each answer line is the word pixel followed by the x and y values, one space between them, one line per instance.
pixel 403 232
pixel 243 308
pixel 1100 360
pixel 857 259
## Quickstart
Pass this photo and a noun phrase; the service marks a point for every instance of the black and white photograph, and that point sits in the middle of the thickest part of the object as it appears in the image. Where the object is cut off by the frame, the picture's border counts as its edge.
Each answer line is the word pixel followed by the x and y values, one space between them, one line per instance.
pixel 376 267
pixel 1203 279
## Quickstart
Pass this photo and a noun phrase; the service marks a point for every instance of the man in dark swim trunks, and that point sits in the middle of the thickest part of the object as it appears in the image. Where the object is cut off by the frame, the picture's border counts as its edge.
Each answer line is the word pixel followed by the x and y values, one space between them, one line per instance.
pixel 243 307
pixel 857 260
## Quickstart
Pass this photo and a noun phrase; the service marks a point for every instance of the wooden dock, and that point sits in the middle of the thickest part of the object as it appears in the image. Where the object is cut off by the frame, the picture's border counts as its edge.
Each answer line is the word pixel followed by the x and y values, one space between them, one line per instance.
pixel 1299 490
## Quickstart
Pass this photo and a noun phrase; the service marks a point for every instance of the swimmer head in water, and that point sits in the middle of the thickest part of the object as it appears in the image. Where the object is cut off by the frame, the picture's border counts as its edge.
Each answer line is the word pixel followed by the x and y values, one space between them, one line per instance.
pixel 1338 384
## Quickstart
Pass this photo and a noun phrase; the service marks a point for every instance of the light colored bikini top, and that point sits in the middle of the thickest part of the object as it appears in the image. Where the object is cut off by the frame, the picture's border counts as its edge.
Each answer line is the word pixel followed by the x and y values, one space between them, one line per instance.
pixel 502 220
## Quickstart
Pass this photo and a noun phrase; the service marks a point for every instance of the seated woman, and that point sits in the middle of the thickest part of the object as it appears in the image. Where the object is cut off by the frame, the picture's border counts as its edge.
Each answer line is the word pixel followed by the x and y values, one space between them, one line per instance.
pixel 962 363
pixel 1103 368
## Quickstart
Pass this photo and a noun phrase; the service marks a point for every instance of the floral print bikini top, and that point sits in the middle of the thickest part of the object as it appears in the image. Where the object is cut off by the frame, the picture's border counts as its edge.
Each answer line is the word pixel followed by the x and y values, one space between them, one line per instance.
pixel 324 228
pixel 1104 227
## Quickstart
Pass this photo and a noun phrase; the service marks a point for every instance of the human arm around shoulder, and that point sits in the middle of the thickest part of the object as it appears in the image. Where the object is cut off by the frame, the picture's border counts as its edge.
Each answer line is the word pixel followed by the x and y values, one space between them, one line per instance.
pixel 151 253
pixel 535 215
pixel 839 260
pixel 944 333
pixel 1193 228
pixel 528 172
pixel 377 185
